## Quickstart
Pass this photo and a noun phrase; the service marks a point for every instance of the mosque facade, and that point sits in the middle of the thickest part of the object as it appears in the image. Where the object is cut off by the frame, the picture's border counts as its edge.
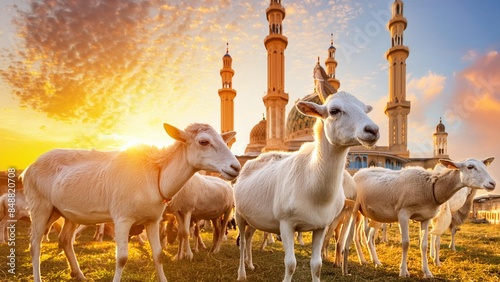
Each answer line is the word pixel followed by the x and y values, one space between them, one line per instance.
pixel 280 132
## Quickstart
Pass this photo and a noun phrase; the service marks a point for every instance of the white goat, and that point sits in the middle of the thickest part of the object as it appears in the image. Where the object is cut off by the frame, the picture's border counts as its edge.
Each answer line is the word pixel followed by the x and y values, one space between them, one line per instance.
pixel 127 187
pixel 286 192
pixel 458 217
pixel 340 224
pixel 388 196
pixel 21 212
pixel 451 214
pixel 203 197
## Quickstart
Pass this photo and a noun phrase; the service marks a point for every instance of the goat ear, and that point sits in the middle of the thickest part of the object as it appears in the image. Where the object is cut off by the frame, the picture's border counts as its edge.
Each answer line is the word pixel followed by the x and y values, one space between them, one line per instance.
pixel 175 133
pixel 311 109
pixel 228 136
pixel 488 161
pixel 368 108
pixel 448 164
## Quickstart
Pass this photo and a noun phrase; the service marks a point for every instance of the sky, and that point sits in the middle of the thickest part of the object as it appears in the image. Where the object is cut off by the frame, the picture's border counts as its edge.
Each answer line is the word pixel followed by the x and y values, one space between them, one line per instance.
pixel 107 74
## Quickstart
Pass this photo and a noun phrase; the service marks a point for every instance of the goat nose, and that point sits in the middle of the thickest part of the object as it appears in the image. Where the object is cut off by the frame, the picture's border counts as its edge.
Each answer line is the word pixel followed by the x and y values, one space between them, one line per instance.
pixel 493 183
pixel 236 167
pixel 372 129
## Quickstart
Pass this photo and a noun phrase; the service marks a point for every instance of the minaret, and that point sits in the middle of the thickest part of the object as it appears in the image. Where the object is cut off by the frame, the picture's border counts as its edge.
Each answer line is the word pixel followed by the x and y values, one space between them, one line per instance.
pixel 331 65
pixel 440 141
pixel 275 99
pixel 227 94
pixel 397 108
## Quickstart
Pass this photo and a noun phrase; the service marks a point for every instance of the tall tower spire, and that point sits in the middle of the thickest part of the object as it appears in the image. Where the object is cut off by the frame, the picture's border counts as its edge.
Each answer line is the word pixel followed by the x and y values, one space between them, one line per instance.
pixel 440 141
pixel 275 99
pixel 331 65
pixel 397 108
pixel 227 94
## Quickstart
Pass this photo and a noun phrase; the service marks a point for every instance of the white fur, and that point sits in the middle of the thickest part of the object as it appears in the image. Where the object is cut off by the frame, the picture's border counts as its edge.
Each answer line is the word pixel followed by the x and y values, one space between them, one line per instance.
pixel 126 187
pixel 339 226
pixel 388 196
pixel 21 212
pixel 457 207
pixel 202 197
pixel 287 192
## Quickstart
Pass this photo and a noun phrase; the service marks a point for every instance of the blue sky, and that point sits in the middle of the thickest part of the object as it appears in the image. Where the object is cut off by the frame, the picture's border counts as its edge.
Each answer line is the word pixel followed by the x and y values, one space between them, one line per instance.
pixel 452 71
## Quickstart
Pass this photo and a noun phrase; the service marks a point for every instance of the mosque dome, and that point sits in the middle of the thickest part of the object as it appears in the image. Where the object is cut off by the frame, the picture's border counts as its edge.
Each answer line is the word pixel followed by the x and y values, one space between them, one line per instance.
pixel 440 127
pixel 299 126
pixel 258 138
pixel 258 134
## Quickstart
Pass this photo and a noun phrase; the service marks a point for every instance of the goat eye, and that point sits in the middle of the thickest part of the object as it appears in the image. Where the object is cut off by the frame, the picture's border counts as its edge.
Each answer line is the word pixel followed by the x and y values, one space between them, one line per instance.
pixel 203 142
pixel 470 167
pixel 334 112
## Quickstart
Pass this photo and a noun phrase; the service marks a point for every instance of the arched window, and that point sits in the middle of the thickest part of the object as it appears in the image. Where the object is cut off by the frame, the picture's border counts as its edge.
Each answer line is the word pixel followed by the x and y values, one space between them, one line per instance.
pixel 357 163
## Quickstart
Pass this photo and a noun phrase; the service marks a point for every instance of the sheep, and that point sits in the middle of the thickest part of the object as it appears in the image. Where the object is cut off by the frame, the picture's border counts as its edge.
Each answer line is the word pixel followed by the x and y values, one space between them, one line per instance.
pixel 413 193
pixel 202 197
pixel 286 192
pixel 129 187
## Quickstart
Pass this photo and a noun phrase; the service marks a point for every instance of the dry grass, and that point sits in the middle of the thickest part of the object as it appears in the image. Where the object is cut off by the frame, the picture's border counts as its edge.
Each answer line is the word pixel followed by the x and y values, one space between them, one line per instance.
pixel 477 259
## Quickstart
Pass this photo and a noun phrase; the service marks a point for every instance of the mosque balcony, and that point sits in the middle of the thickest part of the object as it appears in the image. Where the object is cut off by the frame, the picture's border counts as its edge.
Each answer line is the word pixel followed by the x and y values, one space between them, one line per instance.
pixel 401 105
pixel 396 20
pixel 397 48
pixel 275 95
pixel 275 7
pixel 331 60
pixel 227 93
pixel 276 37
pixel 229 70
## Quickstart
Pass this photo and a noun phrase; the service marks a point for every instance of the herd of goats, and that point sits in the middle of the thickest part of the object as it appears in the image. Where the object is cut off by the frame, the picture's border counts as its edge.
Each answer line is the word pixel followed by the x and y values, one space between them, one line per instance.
pixel 277 192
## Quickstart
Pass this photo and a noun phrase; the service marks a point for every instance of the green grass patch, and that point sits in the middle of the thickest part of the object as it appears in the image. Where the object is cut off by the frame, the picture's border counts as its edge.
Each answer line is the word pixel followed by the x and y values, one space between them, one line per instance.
pixel 477 259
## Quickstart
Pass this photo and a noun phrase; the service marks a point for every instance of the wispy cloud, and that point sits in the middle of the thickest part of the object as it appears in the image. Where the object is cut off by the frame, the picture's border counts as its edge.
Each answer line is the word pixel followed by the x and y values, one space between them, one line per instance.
pixel 95 61
pixel 427 87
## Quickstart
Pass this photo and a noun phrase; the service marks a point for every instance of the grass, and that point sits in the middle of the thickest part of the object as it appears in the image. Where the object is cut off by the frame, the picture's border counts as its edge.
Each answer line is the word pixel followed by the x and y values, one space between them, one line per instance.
pixel 477 259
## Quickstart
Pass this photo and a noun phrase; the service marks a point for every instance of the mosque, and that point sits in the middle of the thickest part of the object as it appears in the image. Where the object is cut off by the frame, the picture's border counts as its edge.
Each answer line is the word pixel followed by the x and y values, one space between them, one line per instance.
pixel 276 132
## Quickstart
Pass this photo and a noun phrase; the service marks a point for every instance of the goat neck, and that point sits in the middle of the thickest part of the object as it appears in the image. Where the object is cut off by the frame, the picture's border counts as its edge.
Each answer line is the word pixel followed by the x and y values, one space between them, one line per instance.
pixel 175 172
pixel 447 184
pixel 325 156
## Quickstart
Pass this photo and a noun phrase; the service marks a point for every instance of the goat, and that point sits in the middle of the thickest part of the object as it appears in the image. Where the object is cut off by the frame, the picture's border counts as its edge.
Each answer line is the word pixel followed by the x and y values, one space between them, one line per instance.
pixel 202 197
pixel 452 214
pixel 384 195
pixel 302 191
pixel 20 212
pixel 340 224
pixel 129 187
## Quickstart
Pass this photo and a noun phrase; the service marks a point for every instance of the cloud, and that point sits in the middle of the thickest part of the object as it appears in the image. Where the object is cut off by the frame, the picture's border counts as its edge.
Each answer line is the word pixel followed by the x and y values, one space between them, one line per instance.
pixel 96 61
pixel 472 117
pixel 470 56
pixel 423 92
pixel 429 86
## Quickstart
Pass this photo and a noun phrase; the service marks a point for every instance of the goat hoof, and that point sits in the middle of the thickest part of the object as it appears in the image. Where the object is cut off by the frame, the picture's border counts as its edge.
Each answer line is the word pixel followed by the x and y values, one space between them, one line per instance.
pixel 78 276
pixel 404 274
